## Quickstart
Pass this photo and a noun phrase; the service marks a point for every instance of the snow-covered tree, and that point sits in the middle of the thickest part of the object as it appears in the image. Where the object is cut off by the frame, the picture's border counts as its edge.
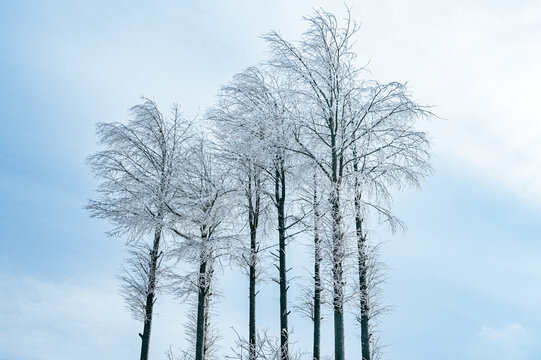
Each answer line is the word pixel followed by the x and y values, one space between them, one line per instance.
pixel 311 195
pixel 304 135
pixel 240 134
pixel 322 64
pixel 201 208
pixel 135 171
pixel 255 107
pixel 343 122
pixel 387 152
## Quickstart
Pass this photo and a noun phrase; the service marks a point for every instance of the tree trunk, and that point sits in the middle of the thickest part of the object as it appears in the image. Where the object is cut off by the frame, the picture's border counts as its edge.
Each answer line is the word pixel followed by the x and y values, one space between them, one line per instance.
pixel 338 282
pixel 338 247
pixel 253 222
pixel 339 352
pixel 317 279
pixel 206 340
pixel 364 304
pixel 252 295
pixel 201 309
pixel 154 256
pixel 280 194
pixel 363 289
pixel 317 301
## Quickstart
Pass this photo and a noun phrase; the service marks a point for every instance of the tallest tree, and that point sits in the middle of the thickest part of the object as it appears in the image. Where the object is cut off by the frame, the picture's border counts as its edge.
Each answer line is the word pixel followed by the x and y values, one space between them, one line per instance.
pixel 357 133
pixel 322 65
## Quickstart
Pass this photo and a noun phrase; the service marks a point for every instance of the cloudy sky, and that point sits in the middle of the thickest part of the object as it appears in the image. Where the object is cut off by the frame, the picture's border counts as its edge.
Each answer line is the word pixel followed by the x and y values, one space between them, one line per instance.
pixel 465 278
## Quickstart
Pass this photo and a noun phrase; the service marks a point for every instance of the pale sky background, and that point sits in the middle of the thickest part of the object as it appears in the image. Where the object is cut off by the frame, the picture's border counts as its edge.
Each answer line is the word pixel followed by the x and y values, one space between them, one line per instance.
pixel 465 278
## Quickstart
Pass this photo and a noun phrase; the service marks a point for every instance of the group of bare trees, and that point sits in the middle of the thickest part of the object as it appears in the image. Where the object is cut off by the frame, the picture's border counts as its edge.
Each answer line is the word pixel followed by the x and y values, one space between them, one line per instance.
pixel 302 144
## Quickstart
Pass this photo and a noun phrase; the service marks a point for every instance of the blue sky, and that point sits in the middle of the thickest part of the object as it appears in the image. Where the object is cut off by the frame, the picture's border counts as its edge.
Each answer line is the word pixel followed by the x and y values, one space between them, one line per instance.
pixel 465 278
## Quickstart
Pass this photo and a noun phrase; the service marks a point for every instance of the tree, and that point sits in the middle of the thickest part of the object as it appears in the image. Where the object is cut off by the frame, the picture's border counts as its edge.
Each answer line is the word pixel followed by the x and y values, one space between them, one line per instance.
pixel 325 79
pixel 254 106
pixel 303 126
pixel 311 196
pixel 135 172
pixel 387 151
pixel 200 209
pixel 241 149
pixel 344 121
pixel 316 353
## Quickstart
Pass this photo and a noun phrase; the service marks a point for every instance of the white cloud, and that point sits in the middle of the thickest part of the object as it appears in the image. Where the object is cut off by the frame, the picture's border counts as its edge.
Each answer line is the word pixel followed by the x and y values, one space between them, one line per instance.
pixel 510 342
pixel 478 64
pixel 60 320
pixel 509 334
pixel 73 319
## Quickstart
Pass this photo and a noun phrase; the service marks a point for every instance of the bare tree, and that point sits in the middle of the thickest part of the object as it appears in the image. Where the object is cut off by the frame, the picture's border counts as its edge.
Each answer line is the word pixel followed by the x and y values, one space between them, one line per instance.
pixel 312 195
pixel 200 211
pixel 344 122
pixel 388 151
pixel 305 118
pixel 240 138
pixel 257 106
pixel 317 273
pixel 253 191
pixel 322 66
pixel 135 172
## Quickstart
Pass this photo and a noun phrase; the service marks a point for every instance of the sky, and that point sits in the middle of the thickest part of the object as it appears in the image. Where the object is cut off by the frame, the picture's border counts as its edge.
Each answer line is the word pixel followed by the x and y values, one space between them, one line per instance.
pixel 464 278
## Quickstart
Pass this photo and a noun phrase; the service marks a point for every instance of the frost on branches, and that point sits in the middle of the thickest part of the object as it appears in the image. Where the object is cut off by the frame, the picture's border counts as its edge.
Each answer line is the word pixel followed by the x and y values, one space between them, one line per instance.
pixel 136 171
pixel 302 142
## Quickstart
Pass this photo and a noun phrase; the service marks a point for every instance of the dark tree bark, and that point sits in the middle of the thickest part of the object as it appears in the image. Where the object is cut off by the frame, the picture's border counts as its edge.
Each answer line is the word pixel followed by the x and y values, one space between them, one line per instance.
pixel 338 282
pixel 200 331
pixel 202 304
pixel 363 279
pixel 317 279
pixel 280 197
pixel 317 310
pixel 253 220
pixel 363 288
pixel 154 257
pixel 252 295
pixel 337 166
pixel 362 266
pixel 206 339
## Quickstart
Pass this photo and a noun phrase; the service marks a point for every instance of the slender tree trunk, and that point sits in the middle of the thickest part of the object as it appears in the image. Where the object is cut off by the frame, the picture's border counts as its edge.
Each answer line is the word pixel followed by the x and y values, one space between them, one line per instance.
pixel 338 248
pixel 252 294
pixel 363 289
pixel 253 221
pixel 317 279
pixel 206 339
pixel 154 256
pixel 280 195
pixel 338 282
pixel 201 306
pixel 317 308
pixel 364 304
pixel 317 300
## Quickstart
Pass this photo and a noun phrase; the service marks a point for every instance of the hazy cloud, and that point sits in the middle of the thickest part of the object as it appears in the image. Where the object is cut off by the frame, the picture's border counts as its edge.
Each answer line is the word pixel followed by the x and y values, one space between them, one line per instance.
pixel 510 341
